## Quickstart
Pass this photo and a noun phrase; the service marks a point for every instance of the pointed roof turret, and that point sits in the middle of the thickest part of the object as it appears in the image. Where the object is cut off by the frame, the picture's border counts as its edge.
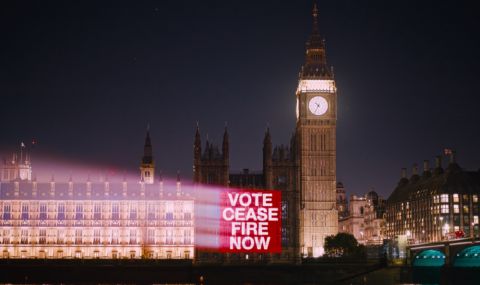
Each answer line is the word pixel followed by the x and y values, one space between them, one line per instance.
pixel 315 66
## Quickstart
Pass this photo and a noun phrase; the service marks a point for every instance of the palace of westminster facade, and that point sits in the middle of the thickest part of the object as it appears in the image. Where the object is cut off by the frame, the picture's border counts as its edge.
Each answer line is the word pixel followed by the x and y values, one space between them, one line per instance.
pixel 142 219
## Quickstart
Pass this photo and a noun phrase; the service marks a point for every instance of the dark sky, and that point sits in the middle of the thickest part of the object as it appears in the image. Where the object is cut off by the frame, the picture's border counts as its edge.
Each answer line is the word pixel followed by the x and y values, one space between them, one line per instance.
pixel 85 77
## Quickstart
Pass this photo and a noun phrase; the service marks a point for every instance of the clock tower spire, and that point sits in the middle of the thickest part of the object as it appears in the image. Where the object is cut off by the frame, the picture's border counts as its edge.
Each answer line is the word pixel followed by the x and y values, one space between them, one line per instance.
pixel 316 136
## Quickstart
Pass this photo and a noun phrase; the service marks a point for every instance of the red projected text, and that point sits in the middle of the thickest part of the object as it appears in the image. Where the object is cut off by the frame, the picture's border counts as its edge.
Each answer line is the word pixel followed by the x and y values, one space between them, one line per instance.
pixel 250 221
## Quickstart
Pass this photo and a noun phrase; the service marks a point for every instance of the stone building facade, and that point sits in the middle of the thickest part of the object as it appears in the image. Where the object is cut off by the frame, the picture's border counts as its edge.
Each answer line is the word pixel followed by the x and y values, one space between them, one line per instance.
pixel 365 219
pixel 127 219
pixel 435 205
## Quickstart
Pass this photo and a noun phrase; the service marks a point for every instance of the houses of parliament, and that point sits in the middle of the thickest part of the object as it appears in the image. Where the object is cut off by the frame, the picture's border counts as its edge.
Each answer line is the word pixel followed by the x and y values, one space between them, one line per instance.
pixel 53 219
pixel 305 171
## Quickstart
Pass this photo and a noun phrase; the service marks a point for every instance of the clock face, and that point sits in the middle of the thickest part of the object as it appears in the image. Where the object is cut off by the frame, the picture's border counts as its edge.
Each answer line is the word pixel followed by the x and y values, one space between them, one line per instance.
pixel 318 105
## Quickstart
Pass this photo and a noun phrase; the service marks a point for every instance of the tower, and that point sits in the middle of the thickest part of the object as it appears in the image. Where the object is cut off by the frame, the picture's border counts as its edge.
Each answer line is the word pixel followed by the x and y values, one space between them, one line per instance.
pixel 211 166
pixel 147 167
pixel 18 168
pixel 316 149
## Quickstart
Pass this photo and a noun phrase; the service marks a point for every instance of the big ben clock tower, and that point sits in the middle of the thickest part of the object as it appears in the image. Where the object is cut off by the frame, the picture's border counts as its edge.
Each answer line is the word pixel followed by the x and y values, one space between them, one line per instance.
pixel 316 145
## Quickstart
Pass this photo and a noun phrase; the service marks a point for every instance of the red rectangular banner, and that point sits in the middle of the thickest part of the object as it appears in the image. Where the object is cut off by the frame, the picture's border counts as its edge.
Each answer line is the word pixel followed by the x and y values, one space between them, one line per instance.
pixel 250 221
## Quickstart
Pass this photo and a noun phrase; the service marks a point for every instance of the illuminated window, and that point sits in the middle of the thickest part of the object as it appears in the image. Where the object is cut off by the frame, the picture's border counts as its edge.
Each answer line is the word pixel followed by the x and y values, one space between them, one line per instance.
pixel 61 212
pixel 96 236
pixel 187 239
pixel 78 236
pixel 456 208
pixel 43 212
pixel 115 212
pixel 133 236
pixel 133 212
pixel 474 198
pixel 42 239
pixel 24 211
pixel 444 198
pixel 97 211
pixel 24 236
pixel 114 236
pixel 455 198
pixel 444 209
pixel 60 236
pixel 436 199
pixel 465 209
pixel 6 212
pixel 6 236
pixel 169 239
pixel 151 212
pixel 475 219
pixel 151 236
pixel 79 212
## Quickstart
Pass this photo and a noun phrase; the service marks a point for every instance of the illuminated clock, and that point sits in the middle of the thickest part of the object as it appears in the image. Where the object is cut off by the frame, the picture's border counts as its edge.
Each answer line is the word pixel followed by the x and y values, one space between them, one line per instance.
pixel 318 105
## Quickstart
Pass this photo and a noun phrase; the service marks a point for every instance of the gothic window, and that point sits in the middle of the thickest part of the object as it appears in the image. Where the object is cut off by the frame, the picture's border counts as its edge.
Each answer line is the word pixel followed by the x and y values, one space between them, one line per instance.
pixel 60 236
pixel 284 211
pixel 115 236
pixel 147 173
pixel 79 212
pixel 61 212
pixel 284 236
pixel 42 236
pixel 24 211
pixel 151 236
pixel 133 212
pixel 187 216
pixel 6 212
pixel 169 239
pixel 133 236
pixel 43 212
pixel 186 237
pixel 97 211
pixel 6 236
pixel 78 236
pixel 115 212
pixel 24 236
pixel 96 236
pixel 151 212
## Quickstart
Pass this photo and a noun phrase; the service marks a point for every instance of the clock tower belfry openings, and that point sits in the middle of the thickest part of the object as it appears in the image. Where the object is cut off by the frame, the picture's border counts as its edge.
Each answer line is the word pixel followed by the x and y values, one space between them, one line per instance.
pixel 316 97
pixel 147 167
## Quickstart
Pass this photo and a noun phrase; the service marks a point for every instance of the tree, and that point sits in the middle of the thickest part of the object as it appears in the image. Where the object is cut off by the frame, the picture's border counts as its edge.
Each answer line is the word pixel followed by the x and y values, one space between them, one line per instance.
pixel 343 245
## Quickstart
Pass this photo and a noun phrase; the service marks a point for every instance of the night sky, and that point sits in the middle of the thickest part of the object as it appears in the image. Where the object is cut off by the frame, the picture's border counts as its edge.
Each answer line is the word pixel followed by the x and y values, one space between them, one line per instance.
pixel 85 78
